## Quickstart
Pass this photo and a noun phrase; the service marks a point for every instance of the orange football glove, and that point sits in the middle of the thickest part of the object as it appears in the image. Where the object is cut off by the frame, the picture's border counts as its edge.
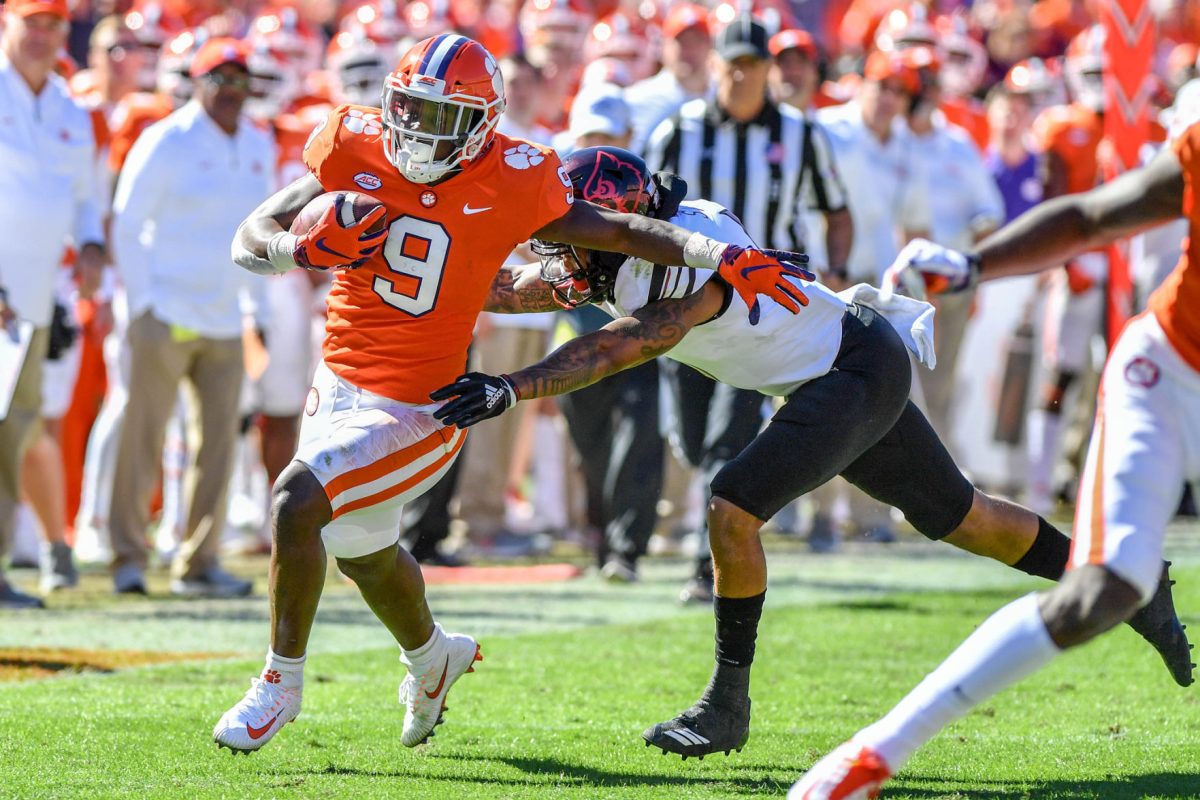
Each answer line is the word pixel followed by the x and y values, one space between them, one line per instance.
pixel 753 272
pixel 328 245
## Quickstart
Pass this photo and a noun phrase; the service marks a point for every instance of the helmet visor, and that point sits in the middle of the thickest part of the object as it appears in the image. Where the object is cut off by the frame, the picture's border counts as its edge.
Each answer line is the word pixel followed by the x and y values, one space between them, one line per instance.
pixel 423 117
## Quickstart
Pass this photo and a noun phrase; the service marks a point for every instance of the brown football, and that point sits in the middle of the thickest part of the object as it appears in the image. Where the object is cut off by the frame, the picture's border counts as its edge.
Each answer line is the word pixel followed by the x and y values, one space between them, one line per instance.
pixel 353 207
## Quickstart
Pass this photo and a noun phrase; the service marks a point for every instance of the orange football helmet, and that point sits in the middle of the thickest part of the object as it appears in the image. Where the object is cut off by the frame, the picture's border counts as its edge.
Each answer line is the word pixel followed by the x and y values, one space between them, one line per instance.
pixel 441 106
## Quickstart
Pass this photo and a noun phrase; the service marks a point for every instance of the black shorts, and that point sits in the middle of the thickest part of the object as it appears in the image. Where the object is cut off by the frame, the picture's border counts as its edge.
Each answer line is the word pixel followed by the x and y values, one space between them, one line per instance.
pixel 855 421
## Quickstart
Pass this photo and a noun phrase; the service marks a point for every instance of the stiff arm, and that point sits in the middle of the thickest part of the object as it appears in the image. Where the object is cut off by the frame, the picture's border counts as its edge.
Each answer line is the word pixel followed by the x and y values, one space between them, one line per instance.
pixel 1059 229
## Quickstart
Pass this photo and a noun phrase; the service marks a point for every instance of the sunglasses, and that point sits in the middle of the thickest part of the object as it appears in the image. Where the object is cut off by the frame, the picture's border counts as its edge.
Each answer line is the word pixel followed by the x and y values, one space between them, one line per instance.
pixel 239 82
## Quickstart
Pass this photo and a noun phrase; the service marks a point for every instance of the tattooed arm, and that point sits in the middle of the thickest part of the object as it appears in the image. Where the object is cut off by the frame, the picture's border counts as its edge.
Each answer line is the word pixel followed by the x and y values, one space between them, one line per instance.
pixel 626 342
pixel 519 290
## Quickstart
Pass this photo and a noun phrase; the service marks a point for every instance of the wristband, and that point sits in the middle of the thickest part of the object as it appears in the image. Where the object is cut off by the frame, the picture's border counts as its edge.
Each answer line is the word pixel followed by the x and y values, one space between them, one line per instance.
pixel 973 267
pixel 702 252
pixel 514 396
pixel 281 251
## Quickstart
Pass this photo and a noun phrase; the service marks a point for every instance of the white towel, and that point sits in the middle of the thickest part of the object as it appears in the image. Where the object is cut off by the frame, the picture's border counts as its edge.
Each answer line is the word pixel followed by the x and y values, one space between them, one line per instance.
pixel 912 319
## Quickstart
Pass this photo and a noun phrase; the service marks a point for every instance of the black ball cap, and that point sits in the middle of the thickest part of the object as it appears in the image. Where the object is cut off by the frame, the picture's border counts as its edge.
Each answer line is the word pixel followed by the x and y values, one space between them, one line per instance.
pixel 745 36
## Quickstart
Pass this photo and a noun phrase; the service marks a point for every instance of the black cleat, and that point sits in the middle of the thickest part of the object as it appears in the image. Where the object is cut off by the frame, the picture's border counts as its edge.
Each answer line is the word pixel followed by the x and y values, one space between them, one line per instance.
pixel 703 729
pixel 1159 625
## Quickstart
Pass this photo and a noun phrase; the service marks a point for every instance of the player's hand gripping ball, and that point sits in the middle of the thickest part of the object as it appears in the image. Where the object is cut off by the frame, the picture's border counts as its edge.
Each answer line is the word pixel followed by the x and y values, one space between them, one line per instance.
pixel 339 230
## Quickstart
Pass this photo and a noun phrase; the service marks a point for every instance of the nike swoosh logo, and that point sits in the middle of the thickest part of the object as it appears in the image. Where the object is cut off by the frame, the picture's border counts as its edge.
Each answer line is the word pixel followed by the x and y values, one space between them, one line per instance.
pixel 320 243
pixel 257 733
pixel 438 690
pixel 469 211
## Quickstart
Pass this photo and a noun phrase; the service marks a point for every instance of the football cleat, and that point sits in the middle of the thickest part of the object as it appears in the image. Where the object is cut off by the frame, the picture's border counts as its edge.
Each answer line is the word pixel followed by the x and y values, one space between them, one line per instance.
pixel 851 772
pixel 423 692
pixel 703 729
pixel 254 721
pixel 1159 625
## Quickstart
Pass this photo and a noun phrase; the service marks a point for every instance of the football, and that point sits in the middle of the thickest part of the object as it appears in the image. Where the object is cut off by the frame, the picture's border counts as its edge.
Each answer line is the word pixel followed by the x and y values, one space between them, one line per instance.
pixel 352 206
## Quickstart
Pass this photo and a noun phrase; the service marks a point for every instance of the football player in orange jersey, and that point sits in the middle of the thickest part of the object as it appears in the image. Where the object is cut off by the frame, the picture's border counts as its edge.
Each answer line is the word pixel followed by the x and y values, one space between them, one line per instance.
pixel 1146 442
pixel 1069 138
pixel 458 197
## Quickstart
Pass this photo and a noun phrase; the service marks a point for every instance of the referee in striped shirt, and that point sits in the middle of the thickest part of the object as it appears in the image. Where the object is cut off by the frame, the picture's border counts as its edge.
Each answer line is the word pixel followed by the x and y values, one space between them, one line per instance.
pixel 772 168
pixel 768 163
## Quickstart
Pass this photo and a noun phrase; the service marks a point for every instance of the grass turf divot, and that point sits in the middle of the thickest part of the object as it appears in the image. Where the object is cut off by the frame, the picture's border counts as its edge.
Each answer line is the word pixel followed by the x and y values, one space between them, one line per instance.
pixel 18 664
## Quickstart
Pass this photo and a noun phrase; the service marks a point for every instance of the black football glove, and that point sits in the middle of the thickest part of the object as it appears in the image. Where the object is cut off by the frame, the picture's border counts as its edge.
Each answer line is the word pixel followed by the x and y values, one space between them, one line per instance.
pixel 476 397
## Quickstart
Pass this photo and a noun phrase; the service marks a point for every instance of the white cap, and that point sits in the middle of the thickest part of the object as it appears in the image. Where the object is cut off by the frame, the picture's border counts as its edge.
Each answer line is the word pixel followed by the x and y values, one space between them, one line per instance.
pixel 599 108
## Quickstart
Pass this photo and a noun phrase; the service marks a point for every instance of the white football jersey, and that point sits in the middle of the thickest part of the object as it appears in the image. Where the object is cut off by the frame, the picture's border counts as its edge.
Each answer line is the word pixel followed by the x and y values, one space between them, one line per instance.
pixel 775 356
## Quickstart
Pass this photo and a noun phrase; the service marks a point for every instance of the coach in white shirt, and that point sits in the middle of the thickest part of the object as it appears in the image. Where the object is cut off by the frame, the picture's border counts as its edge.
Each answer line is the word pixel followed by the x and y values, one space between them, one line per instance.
pixel 964 206
pixel 886 191
pixel 48 199
pixel 189 180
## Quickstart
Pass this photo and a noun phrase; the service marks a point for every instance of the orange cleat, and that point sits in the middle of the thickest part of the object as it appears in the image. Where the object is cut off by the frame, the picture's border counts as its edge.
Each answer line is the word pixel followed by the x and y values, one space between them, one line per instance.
pixel 851 772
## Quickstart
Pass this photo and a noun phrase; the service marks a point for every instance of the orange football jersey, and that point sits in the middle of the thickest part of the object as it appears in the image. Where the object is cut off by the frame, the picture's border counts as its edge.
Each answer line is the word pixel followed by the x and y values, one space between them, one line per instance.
pixel 292 130
pixel 970 116
pixel 399 326
pixel 1072 132
pixel 133 114
pixel 1176 303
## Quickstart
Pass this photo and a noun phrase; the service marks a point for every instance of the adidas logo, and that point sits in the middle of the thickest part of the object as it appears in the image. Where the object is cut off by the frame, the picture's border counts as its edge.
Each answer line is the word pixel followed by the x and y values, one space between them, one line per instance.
pixel 493 396
pixel 686 737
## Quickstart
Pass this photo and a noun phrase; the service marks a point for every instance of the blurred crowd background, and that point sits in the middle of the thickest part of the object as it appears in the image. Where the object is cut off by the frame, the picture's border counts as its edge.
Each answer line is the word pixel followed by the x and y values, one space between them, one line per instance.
pixel 940 119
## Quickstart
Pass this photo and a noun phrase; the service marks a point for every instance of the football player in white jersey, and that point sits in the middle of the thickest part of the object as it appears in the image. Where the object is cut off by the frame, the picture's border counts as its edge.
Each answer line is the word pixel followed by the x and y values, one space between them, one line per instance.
pixel 844 371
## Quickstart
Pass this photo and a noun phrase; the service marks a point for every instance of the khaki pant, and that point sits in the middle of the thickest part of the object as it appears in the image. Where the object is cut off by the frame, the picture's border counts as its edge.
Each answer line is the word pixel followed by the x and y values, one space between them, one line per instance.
pixel 213 368
pixel 17 432
pixel 937 385
pixel 486 462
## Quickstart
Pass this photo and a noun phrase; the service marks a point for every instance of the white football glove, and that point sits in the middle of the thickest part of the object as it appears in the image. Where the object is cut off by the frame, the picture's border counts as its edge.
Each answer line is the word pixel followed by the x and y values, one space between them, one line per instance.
pixel 924 267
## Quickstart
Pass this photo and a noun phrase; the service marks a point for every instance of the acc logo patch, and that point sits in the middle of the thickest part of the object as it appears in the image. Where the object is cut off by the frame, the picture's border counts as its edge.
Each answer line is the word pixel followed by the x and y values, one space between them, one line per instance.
pixel 428 199
pixel 314 400
pixel 368 180
pixel 523 156
pixel 1143 372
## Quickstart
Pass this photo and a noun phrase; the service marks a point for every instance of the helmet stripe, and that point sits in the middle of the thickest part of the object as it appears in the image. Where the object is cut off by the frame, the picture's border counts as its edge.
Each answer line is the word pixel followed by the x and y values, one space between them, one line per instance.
pixel 429 51
pixel 438 52
pixel 449 57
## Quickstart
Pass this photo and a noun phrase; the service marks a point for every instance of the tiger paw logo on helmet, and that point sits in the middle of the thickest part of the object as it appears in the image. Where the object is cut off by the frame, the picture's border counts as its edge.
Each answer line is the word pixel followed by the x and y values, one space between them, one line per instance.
pixel 523 156
pixel 358 122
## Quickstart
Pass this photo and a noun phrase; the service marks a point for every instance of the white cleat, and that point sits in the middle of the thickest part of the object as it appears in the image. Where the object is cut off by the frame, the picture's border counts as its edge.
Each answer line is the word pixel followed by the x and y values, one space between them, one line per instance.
pixel 851 772
pixel 423 692
pixel 255 720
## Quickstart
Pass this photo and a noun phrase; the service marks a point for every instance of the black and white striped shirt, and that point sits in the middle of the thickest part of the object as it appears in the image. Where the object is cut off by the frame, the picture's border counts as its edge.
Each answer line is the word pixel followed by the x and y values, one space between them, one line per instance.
pixel 769 171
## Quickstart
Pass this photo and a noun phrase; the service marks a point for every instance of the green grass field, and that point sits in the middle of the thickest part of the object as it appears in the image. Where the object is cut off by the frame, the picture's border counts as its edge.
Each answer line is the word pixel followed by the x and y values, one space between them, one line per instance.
pixel 557 710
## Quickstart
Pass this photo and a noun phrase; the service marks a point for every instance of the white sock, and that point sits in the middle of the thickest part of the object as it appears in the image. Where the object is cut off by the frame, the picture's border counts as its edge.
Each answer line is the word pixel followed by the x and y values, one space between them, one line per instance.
pixel 1010 645
pixel 290 671
pixel 423 652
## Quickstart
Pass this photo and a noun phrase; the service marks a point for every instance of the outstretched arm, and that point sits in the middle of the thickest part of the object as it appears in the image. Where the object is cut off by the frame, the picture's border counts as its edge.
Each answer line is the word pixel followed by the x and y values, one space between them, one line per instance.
pixel 1048 235
pixel 626 342
pixel 623 343
pixel 750 271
